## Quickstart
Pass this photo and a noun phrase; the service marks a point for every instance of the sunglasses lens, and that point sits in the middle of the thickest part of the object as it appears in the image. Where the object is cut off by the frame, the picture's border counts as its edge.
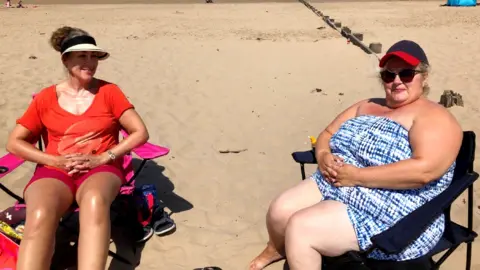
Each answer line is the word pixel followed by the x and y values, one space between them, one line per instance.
pixel 387 76
pixel 406 75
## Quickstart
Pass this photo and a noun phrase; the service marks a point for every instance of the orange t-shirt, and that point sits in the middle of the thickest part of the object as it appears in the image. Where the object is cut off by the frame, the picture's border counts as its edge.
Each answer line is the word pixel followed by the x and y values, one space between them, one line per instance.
pixel 93 132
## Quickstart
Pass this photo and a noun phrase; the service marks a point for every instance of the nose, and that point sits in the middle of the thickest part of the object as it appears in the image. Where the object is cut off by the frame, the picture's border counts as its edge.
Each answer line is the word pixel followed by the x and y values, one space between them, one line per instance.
pixel 90 61
pixel 397 79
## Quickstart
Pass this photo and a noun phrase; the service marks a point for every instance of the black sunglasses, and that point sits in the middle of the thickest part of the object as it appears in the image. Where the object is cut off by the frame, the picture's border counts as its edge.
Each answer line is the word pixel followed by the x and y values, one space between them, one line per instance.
pixel 406 75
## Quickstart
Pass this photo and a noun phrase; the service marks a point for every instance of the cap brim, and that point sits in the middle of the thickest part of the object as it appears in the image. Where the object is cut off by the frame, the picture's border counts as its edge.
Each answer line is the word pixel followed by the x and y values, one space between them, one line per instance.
pixel 88 48
pixel 402 55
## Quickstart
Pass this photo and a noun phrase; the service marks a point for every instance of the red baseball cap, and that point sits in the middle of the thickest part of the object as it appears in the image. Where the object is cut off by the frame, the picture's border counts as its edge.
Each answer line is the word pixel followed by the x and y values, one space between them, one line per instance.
pixel 406 50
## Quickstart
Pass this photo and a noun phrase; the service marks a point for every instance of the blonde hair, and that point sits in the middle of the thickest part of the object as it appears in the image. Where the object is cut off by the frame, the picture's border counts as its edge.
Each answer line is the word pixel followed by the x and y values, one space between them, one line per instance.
pixel 424 69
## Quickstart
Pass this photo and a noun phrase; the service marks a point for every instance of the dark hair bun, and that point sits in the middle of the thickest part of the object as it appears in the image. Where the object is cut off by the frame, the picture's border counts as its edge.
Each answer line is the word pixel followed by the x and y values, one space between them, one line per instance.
pixel 59 36
pixel 64 33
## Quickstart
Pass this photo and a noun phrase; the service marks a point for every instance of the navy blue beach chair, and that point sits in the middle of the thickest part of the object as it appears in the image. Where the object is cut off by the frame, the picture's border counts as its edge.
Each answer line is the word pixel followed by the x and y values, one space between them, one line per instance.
pixel 395 239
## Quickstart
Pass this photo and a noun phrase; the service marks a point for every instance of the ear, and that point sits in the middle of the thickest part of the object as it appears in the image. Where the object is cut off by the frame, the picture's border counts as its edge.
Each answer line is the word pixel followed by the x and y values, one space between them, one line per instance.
pixel 64 60
pixel 425 80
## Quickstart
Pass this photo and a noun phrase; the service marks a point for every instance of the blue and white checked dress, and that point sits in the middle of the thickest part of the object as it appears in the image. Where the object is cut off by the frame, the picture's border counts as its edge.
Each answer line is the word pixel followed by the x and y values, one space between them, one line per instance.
pixel 371 141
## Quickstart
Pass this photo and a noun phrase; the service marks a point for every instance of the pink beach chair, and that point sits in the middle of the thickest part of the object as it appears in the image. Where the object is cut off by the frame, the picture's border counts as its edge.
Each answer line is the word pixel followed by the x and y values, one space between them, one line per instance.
pixel 9 162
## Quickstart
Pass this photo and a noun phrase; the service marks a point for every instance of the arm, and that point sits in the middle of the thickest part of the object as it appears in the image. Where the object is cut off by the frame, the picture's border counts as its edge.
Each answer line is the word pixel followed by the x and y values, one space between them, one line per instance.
pixel 20 144
pixel 323 140
pixel 435 139
pixel 27 132
pixel 138 134
pixel 129 119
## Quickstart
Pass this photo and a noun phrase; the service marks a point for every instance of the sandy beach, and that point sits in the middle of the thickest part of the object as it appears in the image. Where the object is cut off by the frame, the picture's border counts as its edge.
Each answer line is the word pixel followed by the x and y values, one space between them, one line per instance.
pixel 75 2
pixel 207 78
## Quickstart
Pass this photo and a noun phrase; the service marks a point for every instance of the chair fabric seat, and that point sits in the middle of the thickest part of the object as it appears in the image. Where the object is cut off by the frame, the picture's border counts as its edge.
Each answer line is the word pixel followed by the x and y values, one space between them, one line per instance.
pixel 456 236
pixel 397 237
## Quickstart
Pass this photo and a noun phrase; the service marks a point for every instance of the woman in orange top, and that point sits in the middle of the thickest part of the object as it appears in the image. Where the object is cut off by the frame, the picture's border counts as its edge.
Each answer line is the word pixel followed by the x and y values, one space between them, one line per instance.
pixel 79 120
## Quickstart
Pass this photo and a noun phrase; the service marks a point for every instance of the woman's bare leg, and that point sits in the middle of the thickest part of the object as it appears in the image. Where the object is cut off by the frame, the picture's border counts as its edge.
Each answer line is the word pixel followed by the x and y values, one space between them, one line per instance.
pixel 322 229
pixel 47 200
pixel 95 196
pixel 302 195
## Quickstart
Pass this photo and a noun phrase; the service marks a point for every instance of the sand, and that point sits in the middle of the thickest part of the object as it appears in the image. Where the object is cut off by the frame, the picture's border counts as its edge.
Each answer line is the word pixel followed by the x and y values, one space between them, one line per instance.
pixel 212 77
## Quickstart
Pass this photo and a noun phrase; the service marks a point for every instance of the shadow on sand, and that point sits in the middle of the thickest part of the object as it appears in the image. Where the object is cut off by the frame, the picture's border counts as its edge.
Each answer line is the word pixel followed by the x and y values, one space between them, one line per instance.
pixel 152 173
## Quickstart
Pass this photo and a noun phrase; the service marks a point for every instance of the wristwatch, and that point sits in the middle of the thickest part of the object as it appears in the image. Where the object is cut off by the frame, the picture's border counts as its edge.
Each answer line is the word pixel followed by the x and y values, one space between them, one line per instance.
pixel 111 155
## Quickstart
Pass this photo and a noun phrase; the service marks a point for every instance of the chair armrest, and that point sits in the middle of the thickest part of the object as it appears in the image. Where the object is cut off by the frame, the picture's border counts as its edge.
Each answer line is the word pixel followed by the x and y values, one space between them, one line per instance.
pixel 400 235
pixel 8 163
pixel 306 157
pixel 148 150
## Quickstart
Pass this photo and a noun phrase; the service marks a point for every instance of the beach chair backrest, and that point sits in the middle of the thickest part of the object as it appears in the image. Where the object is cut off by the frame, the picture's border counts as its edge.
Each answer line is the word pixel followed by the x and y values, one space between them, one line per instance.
pixel 466 155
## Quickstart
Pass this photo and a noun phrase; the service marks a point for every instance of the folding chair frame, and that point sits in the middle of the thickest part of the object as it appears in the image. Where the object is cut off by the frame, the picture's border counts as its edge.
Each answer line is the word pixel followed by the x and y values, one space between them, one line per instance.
pixel 396 238
pixel 69 214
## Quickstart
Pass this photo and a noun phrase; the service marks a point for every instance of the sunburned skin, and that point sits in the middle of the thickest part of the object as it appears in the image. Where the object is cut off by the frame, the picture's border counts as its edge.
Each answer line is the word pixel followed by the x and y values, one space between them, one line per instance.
pixel 74 102
pixel 83 136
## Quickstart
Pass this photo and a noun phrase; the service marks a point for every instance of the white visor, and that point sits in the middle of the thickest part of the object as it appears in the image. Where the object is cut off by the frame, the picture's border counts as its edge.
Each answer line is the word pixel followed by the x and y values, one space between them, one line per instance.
pixel 83 44
pixel 88 48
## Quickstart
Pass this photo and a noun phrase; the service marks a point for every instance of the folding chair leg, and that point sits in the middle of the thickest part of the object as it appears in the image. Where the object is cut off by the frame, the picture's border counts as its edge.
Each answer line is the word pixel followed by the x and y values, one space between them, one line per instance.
pixel 469 256
pixel 470 226
pixel 302 169
pixel 65 226
pixel 9 192
pixel 110 253
pixel 432 263
pixel 137 171
pixel 445 256
pixel 119 258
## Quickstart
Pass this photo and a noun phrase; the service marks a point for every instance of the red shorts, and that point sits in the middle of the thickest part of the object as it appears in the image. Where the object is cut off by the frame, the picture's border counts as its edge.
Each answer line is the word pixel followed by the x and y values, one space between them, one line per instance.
pixel 73 182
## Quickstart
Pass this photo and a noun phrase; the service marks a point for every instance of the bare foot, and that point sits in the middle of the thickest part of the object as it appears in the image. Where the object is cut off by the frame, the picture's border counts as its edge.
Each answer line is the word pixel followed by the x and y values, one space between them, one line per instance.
pixel 268 256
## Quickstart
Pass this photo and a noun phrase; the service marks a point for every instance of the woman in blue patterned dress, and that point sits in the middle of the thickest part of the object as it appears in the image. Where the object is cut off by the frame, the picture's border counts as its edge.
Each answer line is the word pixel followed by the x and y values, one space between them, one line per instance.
pixel 378 160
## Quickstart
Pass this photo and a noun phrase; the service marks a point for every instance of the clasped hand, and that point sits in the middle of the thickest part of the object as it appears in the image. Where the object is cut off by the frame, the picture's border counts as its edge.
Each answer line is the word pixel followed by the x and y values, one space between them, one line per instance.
pixel 79 163
pixel 335 171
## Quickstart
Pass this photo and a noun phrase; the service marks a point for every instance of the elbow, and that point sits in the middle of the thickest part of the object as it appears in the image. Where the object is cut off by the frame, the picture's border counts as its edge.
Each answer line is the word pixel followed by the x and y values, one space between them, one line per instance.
pixel 325 134
pixel 424 179
pixel 141 136
pixel 427 177
pixel 145 136
pixel 426 172
pixel 10 147
pixel 323 139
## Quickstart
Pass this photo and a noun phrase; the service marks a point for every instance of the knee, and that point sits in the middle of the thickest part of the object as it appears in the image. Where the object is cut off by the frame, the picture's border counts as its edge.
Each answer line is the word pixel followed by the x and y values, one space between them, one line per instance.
pixel 280 210
pixel 95 203
pixel 298 225
pixel 40 220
